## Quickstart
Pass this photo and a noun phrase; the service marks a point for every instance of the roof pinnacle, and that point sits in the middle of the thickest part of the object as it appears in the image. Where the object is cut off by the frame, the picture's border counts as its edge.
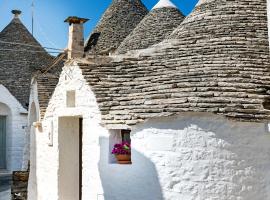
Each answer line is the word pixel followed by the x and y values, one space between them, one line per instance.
pixel 164 3
pixel 16 13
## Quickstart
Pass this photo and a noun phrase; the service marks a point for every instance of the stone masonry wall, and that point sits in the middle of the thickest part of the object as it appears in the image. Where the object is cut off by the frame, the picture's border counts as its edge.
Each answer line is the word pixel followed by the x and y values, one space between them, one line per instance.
pixel 19 185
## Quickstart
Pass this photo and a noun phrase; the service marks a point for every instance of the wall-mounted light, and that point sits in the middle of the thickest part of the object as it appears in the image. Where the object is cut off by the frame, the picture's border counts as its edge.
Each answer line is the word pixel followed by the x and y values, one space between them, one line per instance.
pixel 50 135
pixel 37 124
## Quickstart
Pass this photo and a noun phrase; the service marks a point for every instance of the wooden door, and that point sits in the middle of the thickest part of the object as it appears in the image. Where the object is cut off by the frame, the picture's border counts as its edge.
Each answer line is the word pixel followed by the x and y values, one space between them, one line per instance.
pixel 2 142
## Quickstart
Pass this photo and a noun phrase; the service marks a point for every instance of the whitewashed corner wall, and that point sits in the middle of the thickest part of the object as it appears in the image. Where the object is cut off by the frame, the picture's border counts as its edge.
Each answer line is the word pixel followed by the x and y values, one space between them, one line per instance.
pixel 31 144
pixel 16 124
pixel 194 156
pixel 33 116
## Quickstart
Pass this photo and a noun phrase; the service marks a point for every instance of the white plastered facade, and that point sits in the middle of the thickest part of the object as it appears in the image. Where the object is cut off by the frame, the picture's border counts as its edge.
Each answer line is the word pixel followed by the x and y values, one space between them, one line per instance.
pixel 16 126
pixel 191 156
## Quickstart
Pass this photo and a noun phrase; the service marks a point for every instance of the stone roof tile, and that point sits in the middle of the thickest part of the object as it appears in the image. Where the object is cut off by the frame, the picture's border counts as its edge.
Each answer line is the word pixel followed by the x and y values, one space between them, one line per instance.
pixel 47 82
pixel 155 27
pixel 18 62
pixel 116 24
pixel 216 61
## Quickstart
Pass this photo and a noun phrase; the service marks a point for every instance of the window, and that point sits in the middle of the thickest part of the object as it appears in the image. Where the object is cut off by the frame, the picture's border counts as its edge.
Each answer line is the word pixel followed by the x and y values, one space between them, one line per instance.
pixel 125 135
pixel 71 98
pixel 118 137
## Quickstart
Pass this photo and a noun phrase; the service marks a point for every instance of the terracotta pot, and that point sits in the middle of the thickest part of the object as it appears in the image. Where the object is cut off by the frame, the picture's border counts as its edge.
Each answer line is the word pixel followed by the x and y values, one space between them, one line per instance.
pixel 123 158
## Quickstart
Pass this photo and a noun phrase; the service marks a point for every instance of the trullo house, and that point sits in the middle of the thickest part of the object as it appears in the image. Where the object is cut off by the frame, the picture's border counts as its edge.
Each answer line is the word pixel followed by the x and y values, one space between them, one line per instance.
pixel 195 106
pixel 20 56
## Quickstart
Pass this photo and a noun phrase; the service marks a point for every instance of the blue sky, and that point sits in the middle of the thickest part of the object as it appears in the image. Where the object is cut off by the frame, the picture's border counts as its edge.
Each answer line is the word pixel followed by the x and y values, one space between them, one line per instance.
pixel 49 28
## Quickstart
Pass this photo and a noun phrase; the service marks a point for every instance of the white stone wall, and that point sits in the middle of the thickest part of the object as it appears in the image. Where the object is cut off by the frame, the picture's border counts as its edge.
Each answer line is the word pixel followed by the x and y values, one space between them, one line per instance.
pixel 16 126
pixel 200 156
pixel 194 156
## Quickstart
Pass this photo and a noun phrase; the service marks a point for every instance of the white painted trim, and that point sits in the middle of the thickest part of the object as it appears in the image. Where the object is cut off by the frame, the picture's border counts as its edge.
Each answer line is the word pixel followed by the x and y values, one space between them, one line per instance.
pixel 164 4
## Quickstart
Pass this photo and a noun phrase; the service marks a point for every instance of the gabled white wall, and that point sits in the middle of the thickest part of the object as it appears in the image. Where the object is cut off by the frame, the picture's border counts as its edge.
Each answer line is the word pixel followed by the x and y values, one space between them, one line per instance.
pixel 16 126
pixel 47 155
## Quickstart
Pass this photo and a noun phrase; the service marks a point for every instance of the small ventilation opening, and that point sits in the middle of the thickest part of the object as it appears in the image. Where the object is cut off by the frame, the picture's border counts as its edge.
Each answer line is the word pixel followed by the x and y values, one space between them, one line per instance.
pixel 266 104
pixel 71 98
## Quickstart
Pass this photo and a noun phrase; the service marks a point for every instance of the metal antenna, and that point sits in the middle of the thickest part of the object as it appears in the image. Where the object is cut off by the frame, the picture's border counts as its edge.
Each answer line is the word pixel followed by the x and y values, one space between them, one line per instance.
pixel 33 9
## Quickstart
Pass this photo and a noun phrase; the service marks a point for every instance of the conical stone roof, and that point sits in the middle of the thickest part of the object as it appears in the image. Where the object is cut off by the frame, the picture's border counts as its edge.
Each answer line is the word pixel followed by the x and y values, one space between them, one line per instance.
pixel 115 25
pixel 18 62
pixel 156 26
pixel 216 61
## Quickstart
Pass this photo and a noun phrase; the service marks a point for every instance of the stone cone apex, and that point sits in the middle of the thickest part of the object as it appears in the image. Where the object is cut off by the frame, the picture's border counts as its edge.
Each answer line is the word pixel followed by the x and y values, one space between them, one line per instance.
pixel 116 24
pixel 155 27
pixel 164 4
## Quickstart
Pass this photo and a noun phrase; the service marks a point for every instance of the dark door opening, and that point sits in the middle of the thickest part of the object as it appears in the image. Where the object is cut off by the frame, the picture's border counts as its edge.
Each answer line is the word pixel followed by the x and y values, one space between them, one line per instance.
pixel 2 142
pixel 80 156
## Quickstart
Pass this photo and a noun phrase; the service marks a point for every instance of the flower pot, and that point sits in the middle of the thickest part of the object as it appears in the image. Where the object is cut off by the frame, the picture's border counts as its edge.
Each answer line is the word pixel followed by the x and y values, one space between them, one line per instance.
pixel 123 158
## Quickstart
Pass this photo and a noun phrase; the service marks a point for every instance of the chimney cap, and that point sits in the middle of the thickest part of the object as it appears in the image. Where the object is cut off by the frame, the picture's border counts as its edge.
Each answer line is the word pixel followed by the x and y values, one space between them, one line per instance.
pixel 76 20
pixel 16 12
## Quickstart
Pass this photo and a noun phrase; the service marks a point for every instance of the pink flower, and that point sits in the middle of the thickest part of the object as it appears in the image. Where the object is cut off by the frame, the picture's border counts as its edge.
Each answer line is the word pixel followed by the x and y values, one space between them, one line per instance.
pixel 122 148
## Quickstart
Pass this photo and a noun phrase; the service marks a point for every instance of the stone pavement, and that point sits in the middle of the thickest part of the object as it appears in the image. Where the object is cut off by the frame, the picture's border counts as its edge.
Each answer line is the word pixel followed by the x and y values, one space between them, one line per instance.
pixel 5 195
pixel 5 181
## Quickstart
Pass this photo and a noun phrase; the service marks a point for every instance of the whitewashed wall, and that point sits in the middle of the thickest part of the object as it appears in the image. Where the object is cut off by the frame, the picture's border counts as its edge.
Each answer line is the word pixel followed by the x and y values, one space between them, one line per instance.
pixel 31 143
pixel 47 159
pixel 194 156
pixel 16 126
pixel 201 156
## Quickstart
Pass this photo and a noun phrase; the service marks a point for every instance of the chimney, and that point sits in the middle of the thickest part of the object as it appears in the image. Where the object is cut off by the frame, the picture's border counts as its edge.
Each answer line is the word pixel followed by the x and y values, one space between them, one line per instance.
pixel 16 13
pixel 76 38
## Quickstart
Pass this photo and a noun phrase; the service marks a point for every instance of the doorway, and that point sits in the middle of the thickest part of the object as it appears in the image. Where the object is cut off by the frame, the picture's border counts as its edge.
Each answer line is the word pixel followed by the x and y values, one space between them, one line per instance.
pixel 3 142
pixel 70 158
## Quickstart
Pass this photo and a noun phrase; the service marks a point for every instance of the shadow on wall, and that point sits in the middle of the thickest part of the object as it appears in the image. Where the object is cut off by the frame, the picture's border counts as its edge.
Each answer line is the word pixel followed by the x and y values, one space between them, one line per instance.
pixel 229 159
pixel 138 181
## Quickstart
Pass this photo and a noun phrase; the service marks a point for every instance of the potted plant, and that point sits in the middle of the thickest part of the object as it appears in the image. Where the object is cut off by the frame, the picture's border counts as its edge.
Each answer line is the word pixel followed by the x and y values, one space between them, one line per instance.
pixel 122 152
